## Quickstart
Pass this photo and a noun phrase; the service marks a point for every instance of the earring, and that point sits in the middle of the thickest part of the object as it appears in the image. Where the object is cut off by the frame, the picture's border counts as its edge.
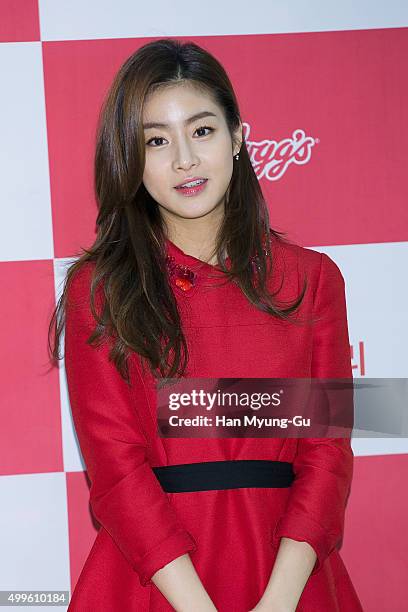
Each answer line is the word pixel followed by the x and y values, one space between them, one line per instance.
pixel 237 156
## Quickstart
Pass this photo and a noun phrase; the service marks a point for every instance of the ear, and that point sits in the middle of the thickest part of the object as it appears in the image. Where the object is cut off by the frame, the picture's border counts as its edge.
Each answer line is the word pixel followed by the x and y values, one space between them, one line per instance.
pixel 237 139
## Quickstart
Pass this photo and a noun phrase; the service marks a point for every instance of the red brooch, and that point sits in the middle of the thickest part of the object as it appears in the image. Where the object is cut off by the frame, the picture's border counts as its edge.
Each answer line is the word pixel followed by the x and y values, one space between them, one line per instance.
pixel 181 274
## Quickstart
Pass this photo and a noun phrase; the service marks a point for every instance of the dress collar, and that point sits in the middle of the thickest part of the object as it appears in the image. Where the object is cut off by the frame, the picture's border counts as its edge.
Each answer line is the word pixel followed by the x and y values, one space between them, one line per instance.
pixel 185 269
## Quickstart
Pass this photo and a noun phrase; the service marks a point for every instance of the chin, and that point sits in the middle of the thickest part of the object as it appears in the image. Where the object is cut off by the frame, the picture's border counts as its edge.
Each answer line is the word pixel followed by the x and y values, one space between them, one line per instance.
pixel 193 214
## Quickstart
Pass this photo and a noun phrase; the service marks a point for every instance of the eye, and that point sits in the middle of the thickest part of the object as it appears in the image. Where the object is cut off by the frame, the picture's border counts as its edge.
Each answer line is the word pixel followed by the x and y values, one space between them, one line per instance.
pixel 155 138
pixel 205 127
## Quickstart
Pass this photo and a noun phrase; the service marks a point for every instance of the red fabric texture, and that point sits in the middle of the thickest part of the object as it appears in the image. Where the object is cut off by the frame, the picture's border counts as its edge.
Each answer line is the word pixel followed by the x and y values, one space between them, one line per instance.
pixel 232 535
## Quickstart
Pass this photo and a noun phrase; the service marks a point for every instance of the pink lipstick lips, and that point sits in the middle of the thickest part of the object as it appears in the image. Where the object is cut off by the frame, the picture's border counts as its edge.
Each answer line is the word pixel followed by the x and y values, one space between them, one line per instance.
pixel 192 187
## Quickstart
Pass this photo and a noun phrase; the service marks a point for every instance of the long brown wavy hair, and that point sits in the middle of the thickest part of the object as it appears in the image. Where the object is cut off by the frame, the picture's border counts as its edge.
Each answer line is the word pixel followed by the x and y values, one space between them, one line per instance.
pixel 140 310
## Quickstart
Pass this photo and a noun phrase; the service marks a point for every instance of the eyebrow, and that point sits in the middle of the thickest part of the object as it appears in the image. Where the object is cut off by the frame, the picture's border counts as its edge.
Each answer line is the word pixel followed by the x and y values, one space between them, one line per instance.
pixel 155 124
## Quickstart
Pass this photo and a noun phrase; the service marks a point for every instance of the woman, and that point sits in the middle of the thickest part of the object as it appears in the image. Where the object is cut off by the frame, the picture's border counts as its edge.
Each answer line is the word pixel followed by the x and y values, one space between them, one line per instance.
pixel 146 302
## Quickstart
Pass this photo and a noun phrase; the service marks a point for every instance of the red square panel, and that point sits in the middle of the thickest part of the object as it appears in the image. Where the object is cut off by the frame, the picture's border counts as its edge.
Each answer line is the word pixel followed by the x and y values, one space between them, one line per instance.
pixel 344 91
pixel 347 92
pixel 376 532
pixel 30 432
pixel 77 75
pixel 19 21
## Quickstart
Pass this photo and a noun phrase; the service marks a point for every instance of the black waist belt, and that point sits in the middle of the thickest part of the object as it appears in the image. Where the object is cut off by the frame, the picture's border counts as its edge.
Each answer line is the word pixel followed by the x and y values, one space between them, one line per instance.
pixel 210 475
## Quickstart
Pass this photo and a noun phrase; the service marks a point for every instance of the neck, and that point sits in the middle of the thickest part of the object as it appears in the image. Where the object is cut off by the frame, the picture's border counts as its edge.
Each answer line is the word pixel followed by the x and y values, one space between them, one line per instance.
pixel 195 237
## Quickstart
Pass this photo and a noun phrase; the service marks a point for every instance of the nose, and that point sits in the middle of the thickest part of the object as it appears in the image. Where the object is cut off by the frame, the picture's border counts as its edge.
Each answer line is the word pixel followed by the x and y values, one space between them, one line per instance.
pixel 185 155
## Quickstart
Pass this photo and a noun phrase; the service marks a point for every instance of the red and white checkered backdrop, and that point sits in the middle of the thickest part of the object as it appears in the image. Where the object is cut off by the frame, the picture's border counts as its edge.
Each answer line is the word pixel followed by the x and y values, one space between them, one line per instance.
pixel 323 91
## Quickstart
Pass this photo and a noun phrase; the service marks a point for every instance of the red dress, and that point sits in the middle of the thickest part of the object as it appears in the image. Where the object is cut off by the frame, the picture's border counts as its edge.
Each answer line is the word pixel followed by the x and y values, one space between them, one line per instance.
pixel 232 535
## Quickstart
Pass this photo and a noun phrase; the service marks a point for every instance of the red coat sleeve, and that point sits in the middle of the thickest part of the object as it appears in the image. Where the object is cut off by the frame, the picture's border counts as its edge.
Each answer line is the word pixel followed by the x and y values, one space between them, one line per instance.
pixel 125 495
pixel 323 466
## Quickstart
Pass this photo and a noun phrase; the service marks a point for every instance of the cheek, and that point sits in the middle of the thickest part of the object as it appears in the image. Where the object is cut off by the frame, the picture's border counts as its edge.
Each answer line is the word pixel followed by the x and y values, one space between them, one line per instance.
pixel 226 162
pixel 153 175
pixel 222 158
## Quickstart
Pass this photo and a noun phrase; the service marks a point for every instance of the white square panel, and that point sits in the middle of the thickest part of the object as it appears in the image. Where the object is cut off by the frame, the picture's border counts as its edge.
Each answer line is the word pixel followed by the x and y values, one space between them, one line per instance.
pixel 24 175
pixel 73 19
pixel 34 534
pixel 377 297
pixel 73 460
